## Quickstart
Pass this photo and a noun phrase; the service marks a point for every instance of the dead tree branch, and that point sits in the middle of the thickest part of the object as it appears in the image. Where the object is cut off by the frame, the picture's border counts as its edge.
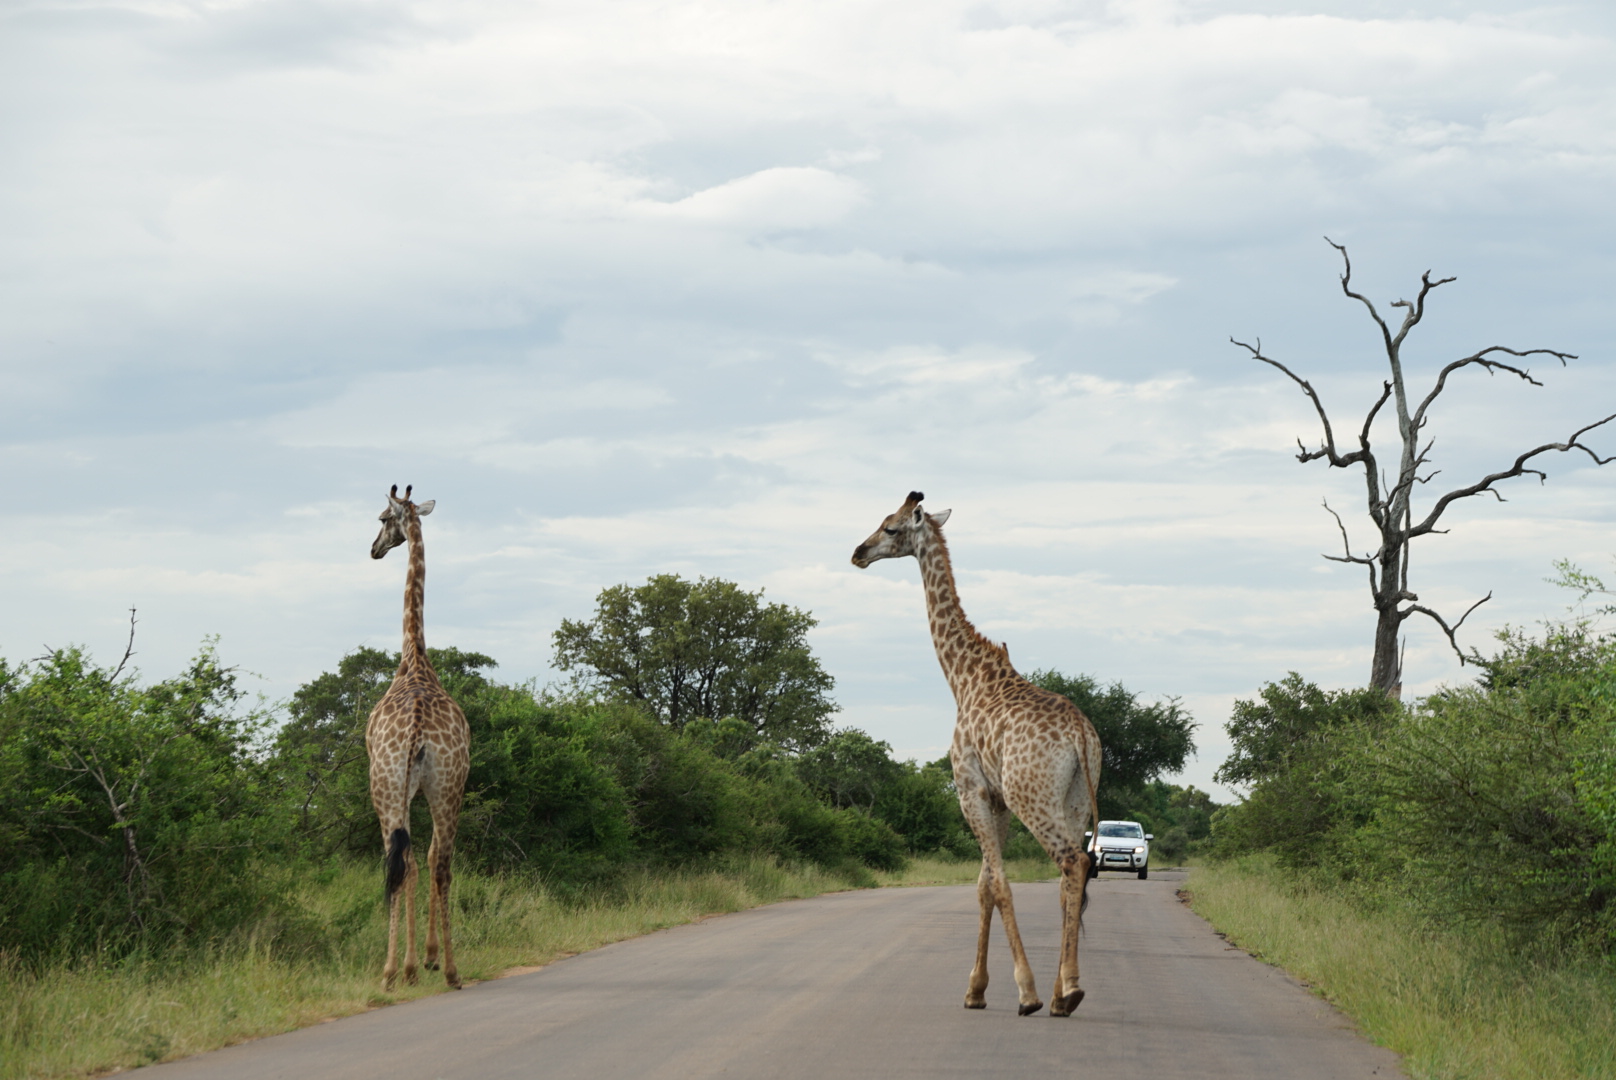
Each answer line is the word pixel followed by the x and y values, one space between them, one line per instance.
pixel 1388 501
pixel 129 650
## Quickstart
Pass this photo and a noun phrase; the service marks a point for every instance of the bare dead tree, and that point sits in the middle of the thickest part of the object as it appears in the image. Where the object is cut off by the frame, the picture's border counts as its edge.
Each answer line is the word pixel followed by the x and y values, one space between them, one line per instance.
pixel 1391 504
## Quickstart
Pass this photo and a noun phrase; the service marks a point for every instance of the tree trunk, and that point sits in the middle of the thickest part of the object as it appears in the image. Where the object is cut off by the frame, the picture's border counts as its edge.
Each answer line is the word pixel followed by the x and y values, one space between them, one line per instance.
pixel 1386 673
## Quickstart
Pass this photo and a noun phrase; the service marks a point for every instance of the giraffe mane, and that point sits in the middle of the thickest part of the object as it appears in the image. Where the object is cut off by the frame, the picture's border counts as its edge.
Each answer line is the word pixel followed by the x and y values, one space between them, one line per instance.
pixel 980 638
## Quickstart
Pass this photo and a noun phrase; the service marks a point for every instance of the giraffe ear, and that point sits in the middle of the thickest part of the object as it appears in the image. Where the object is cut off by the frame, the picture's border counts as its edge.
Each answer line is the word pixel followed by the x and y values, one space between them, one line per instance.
pixel 940 517
pixel 423 509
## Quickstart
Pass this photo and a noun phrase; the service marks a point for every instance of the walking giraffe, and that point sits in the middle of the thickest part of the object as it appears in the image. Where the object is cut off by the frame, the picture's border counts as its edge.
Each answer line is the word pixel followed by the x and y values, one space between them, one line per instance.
pixel 1017 749
pixel 418 741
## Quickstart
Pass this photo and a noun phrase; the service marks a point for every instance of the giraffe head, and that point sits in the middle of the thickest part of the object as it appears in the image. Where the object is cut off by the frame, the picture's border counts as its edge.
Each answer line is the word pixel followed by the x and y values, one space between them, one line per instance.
pixel 898 533
pixel 396 520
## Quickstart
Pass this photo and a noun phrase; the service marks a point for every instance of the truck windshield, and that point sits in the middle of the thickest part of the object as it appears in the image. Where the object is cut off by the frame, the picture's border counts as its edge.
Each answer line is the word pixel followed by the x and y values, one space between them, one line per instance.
pixel 1132 832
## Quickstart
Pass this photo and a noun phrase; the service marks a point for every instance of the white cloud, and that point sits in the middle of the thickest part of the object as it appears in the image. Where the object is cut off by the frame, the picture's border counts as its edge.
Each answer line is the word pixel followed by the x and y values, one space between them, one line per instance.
pixel 767 201
pixel 709 287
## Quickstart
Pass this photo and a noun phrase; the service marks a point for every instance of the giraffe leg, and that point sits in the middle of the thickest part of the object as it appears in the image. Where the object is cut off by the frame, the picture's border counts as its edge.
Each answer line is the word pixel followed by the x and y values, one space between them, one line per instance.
pixel 445 804
pixel 1061 835
pixel 1059 1002
pixel 441 877
pixel 976 990
pixel 990 822
pixel 1028 990
pixel 432 903
pixel 390 969
pixel 395 854
pixel 1074 882
pixel 411 877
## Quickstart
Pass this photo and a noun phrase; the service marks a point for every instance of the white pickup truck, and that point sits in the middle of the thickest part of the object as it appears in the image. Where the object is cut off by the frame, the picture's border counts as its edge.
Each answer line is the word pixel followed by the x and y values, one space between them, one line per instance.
pixel 1121 845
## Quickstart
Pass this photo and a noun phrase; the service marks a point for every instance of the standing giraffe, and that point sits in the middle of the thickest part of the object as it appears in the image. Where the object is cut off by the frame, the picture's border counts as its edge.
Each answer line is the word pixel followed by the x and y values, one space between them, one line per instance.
pixel 418 741
pixel 1017 749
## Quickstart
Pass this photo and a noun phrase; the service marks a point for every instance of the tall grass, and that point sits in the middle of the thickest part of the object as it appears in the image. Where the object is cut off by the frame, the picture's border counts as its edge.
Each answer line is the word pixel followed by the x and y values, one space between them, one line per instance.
pixel 1471 1004
pixel 87 1017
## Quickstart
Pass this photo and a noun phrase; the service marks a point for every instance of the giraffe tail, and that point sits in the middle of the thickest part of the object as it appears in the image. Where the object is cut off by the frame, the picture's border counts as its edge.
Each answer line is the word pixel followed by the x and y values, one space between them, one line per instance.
pixel 398 846
pixel 1093 781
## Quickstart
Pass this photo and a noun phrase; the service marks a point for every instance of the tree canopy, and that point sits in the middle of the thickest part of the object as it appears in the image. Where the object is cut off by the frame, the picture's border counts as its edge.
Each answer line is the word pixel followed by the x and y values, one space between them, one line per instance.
pixel 703 650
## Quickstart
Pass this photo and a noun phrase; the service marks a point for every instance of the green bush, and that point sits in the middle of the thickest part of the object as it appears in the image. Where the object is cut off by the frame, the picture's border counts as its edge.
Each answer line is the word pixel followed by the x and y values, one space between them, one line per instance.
pixel 1494 801
pixel 541 792
pixel 129 814
pixel 1497 797
pixel 922 806
pixel 685 801
pixel 1296 746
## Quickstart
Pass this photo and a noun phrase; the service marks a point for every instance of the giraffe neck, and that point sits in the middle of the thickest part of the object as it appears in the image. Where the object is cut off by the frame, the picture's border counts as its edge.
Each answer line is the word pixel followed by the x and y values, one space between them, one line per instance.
pixel 413 657
pixel 960 648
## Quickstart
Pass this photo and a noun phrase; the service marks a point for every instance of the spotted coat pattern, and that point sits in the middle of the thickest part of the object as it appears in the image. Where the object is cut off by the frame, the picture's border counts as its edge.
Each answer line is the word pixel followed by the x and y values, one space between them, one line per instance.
pixel 1018 749
pixel 418 741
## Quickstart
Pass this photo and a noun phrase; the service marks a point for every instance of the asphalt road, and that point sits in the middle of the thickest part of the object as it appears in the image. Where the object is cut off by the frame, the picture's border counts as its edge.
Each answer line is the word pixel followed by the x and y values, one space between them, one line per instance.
pixel 859 984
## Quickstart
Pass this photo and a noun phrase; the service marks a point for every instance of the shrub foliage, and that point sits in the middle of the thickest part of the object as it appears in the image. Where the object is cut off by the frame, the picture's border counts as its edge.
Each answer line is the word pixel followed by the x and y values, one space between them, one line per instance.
pixel 1491 801
pixel 128 813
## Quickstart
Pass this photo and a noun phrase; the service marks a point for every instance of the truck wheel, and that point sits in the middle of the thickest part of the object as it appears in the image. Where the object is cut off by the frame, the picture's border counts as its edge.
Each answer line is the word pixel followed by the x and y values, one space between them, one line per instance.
pixel 1143 874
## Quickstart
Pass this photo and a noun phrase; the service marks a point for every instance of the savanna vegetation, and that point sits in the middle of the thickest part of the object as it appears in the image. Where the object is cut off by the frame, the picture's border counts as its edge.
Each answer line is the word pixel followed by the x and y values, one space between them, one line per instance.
pixel 1444 869
pixel 181 867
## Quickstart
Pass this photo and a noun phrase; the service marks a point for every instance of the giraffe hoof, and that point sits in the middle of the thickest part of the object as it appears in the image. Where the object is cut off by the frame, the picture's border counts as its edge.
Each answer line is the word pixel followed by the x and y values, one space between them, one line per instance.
pixel 979 1003
pixel 1066 1006
pixel 431 965
pixel 1029 1008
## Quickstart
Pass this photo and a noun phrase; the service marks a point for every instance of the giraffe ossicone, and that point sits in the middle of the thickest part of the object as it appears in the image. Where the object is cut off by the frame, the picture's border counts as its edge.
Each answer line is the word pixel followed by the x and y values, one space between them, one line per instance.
pixel 1017 749
pixel 418 740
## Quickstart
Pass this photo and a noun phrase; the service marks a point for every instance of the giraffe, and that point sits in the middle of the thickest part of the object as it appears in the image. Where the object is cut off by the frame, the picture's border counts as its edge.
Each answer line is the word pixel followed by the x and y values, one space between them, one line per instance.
pixel 1017 749
pixel 418 740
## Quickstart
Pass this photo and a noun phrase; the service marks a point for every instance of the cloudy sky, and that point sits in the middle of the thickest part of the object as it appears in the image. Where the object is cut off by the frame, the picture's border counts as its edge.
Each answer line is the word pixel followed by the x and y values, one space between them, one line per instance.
pixel 707 287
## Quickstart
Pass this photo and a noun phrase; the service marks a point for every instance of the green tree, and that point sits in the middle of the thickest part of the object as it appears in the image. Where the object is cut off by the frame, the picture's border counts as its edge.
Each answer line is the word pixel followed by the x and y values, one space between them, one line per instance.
pixel 850 768
pixel 1138 742
pixel 703 650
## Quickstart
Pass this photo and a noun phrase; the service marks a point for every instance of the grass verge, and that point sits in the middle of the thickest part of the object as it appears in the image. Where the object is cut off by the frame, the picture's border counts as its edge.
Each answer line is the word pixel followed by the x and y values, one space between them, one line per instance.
pixel 934 870
pixel 1467 1005
pixel 88 1018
